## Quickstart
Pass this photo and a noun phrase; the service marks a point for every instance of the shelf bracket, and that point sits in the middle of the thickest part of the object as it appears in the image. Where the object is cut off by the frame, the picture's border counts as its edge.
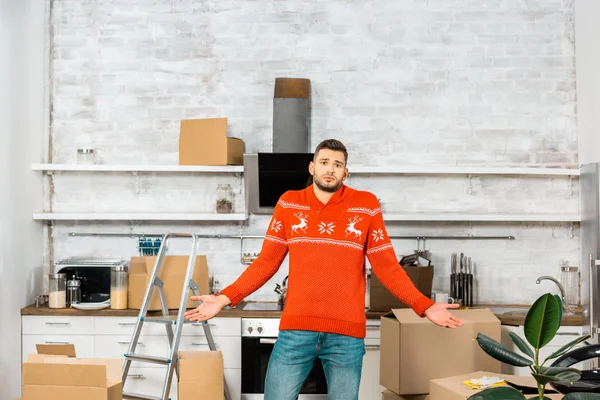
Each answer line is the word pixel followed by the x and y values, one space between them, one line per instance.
pixel 137 181
pixel 570 185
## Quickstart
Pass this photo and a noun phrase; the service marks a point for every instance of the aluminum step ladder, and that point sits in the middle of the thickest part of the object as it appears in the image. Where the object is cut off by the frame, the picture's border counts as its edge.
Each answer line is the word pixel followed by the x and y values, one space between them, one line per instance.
pixel 169 321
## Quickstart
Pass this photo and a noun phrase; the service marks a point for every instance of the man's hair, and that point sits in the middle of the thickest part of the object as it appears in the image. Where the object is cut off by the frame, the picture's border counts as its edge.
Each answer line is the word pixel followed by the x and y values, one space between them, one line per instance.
pixel 335 145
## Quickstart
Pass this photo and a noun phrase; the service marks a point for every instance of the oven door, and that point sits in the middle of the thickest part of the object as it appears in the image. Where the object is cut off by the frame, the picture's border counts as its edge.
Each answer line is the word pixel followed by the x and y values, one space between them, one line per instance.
pixel 256 352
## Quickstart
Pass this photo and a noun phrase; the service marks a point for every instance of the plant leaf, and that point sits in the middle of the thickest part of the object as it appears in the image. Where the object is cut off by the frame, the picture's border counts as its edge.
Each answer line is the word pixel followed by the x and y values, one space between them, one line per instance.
pixel 566 376
pixel 557 297
pixel 501 353
pixel 500 393
pixel 554 371
pixel 582 396
pixel 567 347
pixel 544 379
pixel 521 344
pixel 542 321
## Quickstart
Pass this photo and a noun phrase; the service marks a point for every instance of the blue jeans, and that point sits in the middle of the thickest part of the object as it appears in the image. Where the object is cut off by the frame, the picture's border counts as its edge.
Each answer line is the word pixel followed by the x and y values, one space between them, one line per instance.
pixel 294 355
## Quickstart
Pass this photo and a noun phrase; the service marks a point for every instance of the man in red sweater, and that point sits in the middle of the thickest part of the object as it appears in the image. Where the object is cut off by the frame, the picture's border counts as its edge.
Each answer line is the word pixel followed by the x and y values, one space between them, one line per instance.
pixel 327 229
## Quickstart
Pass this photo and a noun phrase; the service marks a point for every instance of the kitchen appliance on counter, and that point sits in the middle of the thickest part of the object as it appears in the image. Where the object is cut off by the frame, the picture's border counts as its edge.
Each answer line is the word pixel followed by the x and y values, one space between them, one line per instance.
pixel 93 275
pixel 258 338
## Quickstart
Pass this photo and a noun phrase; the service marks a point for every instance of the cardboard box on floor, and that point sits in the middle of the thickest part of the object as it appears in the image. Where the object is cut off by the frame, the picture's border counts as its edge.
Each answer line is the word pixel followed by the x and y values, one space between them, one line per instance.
pixel 201 375
pixel 172 273
pixel 381 299
pixel 389 395
pixel 414 350
pixel 56 376
pixel 453 387
pixel 205 142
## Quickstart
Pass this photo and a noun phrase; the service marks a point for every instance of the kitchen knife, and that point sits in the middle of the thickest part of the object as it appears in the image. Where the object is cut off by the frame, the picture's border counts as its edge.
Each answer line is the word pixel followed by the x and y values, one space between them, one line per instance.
pixel 452 274
pixel 471 285
pixel 461 299
pixel 468 290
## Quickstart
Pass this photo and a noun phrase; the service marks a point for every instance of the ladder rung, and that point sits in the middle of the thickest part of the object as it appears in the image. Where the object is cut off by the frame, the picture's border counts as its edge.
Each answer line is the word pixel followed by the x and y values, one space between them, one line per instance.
pixel 137 396
pixel 148 359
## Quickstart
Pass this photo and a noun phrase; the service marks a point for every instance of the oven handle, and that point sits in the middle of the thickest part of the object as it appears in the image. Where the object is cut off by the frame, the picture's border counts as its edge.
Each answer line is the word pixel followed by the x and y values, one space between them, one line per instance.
pixel 267 341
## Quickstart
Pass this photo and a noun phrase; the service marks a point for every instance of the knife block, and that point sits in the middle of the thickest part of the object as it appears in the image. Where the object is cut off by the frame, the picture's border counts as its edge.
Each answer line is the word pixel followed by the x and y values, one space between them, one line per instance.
pixel 382 299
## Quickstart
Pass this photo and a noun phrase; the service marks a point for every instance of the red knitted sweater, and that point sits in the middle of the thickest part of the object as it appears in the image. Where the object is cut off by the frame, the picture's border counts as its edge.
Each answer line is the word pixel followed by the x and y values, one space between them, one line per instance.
pixel 327 244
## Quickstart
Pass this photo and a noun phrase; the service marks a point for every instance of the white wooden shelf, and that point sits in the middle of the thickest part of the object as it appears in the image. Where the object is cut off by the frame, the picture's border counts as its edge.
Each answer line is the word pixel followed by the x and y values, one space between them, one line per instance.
pixel 441 170
pixel 482 217
pixel 358 169
pixel 137 168
pixel 138 216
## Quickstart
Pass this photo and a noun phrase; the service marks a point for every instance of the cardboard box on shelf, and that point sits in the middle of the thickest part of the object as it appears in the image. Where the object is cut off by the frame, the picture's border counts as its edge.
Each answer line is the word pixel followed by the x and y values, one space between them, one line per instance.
pixel 414 350
pixel 381 299
pixel 61 377
pixel 201 375
pixel 172 274
pixel 205 142
pixel 453 387
pixel 389 395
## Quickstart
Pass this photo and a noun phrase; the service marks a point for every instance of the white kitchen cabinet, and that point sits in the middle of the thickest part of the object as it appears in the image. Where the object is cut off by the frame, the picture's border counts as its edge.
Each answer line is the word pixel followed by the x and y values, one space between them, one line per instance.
pixel 84 344
pixel 109 337
pixel 150 381
pixel 564 335
pixel 51 325
pixel 369 382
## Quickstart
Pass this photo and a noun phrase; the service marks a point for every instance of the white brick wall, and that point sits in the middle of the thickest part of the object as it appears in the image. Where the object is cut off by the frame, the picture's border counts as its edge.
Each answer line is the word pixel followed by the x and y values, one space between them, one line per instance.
pixel 438 82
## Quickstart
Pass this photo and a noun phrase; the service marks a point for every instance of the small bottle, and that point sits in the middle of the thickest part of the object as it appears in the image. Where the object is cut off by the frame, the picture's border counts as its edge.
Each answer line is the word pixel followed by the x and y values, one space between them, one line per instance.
pixel 86 156
pixel 57 288
pixel 224 199
pixel 119 282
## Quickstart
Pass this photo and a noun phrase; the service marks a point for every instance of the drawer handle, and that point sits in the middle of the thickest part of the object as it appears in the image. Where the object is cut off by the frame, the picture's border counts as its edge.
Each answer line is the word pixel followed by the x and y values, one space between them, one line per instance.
pixel 127 323
pixel 199 325
pixel 58 323
pixel 373 326
pixel 372 346
pixel 49 342
pixel 203 344
pixel 123 342
pixel 136 376
pixel 567 333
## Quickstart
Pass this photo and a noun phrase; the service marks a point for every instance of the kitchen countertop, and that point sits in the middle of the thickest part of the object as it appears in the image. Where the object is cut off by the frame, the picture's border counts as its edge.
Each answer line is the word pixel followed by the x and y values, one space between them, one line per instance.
pixel 107 312
pixel 507 314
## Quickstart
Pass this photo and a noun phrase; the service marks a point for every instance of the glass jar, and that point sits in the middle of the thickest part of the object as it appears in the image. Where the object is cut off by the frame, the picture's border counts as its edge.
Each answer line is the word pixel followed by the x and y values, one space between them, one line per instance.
pixel 57 288
pixel 224 199
pixel 119 282
pixel 73 292
pixel 569 278
pixel 86 156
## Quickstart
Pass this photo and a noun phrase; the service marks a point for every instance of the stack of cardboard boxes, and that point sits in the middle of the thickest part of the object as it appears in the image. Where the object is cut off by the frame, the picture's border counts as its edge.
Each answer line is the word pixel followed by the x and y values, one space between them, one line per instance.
pixel 205 142
pixel 414 351
pixel 56 374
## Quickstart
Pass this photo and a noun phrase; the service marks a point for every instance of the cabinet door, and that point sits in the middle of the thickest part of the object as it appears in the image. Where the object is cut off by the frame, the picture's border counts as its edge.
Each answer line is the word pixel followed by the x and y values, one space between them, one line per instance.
pixel 52 325
pixel 369 382
pixel 84 344
pixel 115 346
pixel 230 346
pixel 150 381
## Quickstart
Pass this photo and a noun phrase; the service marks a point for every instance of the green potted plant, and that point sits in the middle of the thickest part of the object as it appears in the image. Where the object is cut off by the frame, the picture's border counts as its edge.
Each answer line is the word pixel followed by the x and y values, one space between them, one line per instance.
pixel 541 324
